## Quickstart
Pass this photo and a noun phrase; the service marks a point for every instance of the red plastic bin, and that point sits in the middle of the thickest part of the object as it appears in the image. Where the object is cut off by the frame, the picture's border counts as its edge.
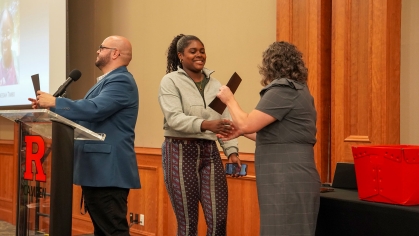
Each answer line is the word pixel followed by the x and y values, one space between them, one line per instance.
pixel 388 174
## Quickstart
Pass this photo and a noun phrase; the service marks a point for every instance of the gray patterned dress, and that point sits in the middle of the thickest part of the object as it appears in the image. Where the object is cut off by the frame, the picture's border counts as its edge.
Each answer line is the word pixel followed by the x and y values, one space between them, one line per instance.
pixel 287 180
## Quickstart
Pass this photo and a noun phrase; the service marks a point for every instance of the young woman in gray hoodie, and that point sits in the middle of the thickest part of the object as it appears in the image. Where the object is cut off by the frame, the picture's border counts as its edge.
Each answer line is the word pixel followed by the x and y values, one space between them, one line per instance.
pixel 193 170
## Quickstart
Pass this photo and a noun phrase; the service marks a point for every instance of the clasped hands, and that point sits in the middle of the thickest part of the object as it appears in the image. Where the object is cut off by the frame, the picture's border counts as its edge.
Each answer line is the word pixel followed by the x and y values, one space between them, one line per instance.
pixel 223 128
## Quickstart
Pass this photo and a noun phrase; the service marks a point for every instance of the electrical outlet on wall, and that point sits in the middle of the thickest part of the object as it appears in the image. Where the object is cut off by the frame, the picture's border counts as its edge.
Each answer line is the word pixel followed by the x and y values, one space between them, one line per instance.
pixel 142 219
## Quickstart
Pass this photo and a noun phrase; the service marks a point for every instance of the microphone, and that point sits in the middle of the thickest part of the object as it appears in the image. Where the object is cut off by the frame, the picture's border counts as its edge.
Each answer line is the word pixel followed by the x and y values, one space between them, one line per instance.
pixel 73 76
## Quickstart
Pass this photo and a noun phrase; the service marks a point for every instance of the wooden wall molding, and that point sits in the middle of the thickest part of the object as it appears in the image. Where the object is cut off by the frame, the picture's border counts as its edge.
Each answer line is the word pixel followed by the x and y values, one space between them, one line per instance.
pixel 357 138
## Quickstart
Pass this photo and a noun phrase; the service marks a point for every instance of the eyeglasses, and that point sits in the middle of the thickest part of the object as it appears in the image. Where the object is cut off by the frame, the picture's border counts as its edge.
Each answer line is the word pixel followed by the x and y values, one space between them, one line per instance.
pixel 103 47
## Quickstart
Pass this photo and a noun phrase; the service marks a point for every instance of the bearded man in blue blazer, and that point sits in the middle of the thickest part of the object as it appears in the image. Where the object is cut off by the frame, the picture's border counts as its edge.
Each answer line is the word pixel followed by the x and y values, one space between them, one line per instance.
pixel 106 170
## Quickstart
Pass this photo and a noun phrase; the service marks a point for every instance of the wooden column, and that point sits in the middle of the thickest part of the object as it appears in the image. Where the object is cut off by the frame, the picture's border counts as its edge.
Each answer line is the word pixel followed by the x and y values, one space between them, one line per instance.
pixel 307 24
pixel 365 75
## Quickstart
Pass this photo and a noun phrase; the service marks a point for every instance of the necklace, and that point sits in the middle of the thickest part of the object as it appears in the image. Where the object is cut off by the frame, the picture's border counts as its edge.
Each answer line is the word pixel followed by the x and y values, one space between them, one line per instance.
pixel 200 85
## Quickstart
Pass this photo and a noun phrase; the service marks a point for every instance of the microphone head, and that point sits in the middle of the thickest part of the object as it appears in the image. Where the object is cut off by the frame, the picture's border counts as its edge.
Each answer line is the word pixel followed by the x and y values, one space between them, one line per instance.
pixel 75 74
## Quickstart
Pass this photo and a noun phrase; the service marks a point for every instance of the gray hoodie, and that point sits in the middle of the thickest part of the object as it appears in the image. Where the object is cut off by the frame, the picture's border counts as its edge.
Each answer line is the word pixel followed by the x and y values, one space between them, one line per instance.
pixel 184 108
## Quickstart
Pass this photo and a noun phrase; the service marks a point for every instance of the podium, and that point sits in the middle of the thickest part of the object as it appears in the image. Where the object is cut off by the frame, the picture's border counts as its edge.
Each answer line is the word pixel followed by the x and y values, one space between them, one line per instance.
pixel 45 181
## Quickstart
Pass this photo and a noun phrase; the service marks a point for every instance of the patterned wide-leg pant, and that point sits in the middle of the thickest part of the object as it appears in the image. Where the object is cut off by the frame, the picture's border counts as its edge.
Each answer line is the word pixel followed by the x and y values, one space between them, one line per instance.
pixel 193 173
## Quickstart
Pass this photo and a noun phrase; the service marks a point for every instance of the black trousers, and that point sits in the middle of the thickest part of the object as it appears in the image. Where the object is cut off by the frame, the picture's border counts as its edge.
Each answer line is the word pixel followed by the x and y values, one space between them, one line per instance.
pixel 107 207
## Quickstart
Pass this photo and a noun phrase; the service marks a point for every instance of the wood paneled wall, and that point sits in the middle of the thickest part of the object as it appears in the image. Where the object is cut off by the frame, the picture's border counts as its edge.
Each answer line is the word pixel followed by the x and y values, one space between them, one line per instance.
pixel 352 51
pixel 365 75
pixel 8 167
pixel 151 200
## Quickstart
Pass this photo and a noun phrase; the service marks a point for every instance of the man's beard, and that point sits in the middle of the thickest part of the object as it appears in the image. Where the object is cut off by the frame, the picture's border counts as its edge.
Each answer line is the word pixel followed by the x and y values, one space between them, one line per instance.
pixel 102 61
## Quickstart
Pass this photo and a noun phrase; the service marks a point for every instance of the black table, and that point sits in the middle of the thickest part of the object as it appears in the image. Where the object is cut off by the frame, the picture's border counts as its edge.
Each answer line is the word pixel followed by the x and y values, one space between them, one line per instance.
pixel 343 214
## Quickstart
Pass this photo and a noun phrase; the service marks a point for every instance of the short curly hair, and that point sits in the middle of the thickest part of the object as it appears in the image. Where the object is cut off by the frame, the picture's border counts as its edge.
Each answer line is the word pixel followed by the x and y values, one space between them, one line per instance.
pixel 282 60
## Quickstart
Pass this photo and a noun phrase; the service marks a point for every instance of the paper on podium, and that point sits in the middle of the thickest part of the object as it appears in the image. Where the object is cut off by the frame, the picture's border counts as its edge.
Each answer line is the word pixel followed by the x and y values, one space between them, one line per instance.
pixel 216 104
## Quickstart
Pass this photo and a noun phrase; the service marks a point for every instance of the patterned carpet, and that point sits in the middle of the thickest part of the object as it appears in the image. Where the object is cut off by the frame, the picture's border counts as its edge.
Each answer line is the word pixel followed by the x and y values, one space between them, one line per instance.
pixel 7 229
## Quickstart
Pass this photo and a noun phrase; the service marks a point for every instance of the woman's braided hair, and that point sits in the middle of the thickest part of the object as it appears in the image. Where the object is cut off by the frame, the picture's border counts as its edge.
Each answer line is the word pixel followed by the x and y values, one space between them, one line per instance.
pixel 178 44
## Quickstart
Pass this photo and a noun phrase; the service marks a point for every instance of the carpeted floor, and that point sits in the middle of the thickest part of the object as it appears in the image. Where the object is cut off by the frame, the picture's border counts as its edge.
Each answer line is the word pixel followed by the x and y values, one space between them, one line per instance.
pixel 7 229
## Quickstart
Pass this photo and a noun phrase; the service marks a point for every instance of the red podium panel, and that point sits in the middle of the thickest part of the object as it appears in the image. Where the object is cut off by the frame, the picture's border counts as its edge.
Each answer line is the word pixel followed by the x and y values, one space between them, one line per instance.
pixel 387 174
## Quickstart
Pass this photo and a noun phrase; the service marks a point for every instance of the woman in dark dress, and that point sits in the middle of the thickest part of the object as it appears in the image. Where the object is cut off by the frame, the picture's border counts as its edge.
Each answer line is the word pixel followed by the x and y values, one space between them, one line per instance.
pixel 283 124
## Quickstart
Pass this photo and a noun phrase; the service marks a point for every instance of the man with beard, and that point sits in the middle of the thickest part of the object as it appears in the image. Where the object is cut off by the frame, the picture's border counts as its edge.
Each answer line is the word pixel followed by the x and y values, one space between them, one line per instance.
pixel 7 67
pixel 106 170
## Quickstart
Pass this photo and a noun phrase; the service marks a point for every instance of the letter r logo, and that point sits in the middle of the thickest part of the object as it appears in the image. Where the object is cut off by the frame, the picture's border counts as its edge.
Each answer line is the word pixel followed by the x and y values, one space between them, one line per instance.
pixel 36 157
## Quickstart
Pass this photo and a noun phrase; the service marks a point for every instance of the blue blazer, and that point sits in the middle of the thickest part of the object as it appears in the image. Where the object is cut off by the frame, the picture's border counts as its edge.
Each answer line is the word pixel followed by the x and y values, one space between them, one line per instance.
pixel 110 107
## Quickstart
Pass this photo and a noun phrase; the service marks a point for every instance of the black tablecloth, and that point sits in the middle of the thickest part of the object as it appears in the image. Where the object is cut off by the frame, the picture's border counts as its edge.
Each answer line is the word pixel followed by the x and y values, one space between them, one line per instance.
pixel 342 213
